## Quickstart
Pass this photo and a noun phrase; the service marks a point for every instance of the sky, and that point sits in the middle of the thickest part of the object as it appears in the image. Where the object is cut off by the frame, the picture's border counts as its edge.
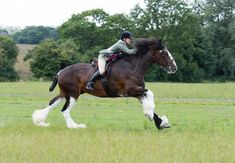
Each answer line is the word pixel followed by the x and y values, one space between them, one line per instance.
pixel 53 13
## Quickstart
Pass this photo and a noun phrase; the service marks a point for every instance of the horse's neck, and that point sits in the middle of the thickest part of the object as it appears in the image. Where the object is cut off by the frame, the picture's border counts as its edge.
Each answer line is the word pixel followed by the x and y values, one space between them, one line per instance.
pixel 141 63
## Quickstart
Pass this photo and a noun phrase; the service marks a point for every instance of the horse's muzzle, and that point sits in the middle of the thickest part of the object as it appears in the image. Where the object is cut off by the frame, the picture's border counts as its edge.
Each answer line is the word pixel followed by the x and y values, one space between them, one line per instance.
pixel 171 69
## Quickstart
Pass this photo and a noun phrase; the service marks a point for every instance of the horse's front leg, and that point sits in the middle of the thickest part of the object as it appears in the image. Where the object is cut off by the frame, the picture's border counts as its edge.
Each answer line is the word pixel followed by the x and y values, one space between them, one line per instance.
pixel 147 101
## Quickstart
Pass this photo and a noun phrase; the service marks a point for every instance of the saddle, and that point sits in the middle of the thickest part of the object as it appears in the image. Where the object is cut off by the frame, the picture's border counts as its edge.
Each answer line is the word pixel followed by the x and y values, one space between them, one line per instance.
pixel 111 58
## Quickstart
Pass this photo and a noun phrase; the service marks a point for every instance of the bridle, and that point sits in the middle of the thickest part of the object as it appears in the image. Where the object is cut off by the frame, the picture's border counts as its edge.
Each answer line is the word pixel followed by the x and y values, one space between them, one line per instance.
pixel 161 53
pixel 139 59
pixel 152 57
pixel 155 60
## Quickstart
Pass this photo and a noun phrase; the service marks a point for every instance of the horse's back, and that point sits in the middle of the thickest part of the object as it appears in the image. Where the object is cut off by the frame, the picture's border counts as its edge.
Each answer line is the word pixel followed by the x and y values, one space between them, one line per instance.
pixel 79 68
pixel 75 73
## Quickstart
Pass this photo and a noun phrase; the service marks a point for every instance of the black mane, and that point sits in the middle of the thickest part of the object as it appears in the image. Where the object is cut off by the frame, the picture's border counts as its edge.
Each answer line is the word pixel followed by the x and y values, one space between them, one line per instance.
pixel 143 45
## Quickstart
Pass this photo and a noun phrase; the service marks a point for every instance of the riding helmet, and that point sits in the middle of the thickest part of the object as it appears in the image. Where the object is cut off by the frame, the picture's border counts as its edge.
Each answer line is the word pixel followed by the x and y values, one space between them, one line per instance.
pixel 126 34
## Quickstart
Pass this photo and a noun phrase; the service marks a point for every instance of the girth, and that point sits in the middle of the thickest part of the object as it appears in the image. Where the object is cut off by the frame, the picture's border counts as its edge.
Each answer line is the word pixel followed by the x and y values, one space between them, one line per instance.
pixel 104 81
pixel 107 88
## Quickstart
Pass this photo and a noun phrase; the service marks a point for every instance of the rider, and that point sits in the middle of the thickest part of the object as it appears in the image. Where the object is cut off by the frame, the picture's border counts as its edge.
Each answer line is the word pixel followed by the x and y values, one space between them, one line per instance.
pixel 119 47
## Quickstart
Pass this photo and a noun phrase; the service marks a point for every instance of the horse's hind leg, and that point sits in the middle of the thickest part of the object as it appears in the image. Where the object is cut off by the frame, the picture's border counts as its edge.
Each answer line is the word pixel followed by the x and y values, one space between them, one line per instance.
pixel 147 101
pixel 68 106
pixel 39 116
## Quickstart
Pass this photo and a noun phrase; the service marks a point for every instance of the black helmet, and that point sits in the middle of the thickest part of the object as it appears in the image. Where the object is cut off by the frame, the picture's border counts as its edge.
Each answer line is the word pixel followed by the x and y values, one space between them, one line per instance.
pixel 126 34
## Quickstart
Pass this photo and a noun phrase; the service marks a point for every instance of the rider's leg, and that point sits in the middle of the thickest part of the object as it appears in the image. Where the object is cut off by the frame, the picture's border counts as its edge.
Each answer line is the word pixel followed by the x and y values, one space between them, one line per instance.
pixel 90 84
pixel 96 75
pixel 101 63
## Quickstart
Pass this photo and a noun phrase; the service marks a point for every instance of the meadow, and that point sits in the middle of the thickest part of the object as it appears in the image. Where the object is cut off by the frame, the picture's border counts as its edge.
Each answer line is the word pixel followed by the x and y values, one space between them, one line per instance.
pixel 202 118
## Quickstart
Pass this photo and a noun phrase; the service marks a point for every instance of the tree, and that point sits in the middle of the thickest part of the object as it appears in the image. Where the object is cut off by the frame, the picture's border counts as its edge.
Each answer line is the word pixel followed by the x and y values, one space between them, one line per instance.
pixel 85 29
pixel 180 28
pixel 220 20
pixel 35 34
pixel 94 30
pixel 4 32
pixel 8 54
pixel 50 56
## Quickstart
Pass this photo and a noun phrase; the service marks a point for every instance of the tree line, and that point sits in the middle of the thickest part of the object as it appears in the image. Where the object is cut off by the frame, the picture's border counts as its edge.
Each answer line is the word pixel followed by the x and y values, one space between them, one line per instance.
pixel 201 37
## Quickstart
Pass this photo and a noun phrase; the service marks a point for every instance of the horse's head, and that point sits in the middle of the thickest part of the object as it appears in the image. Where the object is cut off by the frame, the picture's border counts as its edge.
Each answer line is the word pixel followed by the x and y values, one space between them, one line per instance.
pixel 158 52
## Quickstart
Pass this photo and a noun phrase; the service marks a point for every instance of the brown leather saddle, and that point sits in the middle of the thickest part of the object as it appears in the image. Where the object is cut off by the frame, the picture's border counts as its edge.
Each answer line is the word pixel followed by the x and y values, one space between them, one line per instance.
pixel 111 58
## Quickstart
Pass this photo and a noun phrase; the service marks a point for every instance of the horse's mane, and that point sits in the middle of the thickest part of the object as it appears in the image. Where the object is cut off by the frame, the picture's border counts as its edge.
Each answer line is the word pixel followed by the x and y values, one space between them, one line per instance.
pixel 144 44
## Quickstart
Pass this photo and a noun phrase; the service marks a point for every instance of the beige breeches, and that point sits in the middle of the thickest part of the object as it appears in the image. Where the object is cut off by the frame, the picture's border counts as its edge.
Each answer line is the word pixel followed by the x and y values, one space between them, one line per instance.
pixel 101 63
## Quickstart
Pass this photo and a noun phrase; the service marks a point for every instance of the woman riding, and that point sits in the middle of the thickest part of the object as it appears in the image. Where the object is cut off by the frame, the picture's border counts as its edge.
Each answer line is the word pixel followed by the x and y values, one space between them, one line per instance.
pixel 119 47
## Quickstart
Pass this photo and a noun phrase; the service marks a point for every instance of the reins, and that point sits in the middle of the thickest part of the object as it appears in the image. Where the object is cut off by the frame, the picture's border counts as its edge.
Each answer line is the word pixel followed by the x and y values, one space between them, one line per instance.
pixel 137 62
pixel 139 59
pixel 152 56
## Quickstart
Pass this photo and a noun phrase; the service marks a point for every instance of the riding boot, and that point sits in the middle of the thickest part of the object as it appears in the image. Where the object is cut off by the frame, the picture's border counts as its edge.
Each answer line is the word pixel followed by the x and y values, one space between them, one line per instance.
pixel 90 84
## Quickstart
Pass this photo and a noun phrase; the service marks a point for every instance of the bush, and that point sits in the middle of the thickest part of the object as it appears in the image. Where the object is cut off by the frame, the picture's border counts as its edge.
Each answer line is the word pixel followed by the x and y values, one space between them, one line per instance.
pixel 8 54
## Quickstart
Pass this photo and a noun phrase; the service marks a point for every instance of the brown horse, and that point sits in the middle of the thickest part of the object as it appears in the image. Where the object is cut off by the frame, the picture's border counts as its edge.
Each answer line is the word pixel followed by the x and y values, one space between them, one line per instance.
pixel 125 79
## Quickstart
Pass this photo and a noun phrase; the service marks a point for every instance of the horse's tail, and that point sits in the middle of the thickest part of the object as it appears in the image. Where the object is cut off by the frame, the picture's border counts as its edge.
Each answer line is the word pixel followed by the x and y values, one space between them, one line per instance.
pixel 54 83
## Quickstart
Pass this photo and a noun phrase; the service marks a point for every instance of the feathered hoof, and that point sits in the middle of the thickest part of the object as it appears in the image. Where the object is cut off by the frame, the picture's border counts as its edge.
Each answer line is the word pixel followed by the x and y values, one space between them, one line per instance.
pixel 76 126
pixel 39 117
pixel 165 123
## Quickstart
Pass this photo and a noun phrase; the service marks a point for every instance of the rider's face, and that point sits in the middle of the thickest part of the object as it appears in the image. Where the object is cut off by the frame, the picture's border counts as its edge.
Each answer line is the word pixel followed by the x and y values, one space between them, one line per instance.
pixel 128 40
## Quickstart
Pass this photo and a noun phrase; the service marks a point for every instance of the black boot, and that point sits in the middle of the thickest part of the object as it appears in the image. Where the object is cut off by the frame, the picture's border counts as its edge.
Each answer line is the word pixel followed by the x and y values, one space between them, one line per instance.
pixel 90 84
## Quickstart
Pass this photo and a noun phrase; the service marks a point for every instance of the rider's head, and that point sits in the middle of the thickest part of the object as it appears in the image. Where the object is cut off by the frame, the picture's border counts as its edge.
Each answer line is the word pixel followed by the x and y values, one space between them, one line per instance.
pixel 126 36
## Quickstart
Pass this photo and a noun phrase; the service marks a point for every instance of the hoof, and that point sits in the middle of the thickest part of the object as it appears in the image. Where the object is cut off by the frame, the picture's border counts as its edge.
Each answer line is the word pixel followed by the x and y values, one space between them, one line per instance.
pixel 82 126
pixel 164 123
pixel 43 124
pixel 39 117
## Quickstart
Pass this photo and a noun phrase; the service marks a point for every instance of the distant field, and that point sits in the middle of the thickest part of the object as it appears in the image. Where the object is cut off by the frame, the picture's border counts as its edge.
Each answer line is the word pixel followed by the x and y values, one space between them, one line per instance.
pixel 22 67
pixel 202 118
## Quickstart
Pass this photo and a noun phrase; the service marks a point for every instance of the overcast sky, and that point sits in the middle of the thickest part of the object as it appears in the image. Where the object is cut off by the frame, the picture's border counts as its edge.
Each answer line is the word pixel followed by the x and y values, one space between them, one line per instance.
pixel 54 12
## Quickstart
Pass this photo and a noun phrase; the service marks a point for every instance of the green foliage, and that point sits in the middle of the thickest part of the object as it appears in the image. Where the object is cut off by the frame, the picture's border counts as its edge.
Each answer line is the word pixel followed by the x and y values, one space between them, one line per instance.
pixel 35 34
pixel 8 54
pixel 220 18
pixel 201 37
pixel 85 29
pixel 4 32
pixel 50 56
pixel 180 28
pixel 94 28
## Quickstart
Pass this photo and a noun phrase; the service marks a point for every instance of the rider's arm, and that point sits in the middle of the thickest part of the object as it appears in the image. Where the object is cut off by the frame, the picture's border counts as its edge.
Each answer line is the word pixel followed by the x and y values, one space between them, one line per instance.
pixel 120 46
pixel 124 49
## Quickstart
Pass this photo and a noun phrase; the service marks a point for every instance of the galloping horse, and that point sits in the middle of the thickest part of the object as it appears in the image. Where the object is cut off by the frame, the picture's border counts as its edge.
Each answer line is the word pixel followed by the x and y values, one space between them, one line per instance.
pixel 125 78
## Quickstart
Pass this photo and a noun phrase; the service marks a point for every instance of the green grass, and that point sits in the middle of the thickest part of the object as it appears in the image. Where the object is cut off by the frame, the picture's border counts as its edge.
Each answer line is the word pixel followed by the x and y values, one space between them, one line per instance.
pixel 202 118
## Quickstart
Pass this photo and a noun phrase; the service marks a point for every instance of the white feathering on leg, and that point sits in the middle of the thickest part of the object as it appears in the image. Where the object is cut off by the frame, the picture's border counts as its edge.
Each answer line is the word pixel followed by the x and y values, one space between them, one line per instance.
pixel 165 123
pixel 148 104
pixel 39 116
pixel 69 121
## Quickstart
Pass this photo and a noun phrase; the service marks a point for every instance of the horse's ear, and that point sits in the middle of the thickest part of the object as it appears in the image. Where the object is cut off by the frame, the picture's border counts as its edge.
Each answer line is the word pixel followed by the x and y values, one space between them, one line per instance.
pixel 160 44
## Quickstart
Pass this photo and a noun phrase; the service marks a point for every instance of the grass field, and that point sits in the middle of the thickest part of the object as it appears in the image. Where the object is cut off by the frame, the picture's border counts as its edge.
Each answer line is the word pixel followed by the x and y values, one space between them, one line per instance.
pixel 202 118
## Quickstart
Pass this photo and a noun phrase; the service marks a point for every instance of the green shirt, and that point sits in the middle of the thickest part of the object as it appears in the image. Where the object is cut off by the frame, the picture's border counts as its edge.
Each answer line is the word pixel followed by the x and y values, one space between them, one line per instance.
pixel 118 47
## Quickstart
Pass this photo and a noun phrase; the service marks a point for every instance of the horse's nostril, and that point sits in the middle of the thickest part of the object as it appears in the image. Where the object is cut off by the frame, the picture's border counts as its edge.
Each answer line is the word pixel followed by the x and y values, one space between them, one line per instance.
pixel 175 69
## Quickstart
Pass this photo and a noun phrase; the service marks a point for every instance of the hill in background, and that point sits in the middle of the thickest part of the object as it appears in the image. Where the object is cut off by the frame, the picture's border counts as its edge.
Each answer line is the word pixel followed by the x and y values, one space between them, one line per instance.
pixel 22 67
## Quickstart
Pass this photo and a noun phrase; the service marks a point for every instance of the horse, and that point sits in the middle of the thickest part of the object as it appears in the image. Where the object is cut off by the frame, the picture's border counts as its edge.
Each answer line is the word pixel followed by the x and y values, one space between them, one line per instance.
pixel 125 79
